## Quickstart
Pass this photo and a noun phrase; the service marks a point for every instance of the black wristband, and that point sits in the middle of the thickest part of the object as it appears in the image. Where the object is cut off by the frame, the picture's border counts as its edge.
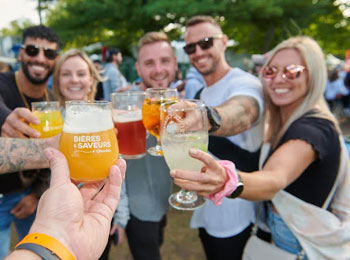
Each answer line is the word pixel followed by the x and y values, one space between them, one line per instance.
pixel 41 251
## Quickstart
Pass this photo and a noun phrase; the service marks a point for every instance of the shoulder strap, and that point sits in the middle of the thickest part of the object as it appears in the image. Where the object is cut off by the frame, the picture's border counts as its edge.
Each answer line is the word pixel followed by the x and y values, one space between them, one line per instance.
pixel 198 94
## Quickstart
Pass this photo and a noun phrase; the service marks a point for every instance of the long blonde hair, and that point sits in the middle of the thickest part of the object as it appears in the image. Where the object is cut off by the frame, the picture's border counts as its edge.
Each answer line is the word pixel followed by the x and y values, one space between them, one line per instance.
pixel 313 57
pixel 93 71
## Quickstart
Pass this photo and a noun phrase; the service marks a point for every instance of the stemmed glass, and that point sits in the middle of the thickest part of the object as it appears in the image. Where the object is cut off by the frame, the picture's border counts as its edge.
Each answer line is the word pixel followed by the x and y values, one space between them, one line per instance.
pixel 151 113
pixel 184 126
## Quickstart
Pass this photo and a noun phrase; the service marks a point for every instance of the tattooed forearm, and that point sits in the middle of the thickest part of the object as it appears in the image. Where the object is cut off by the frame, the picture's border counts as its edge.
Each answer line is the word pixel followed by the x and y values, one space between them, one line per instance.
pixel 237 114
pixel 22 154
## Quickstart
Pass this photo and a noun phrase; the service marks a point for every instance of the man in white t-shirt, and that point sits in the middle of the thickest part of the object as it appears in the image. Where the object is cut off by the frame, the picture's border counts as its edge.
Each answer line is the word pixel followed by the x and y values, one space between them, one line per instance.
pixel 234 101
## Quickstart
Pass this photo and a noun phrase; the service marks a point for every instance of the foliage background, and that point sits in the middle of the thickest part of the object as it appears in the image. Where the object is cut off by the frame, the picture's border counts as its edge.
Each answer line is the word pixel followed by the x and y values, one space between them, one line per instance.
pixel 257 25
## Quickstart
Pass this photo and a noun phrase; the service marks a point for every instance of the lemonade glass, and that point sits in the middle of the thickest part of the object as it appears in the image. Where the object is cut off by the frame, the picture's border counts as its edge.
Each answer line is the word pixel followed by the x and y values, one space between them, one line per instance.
pixel 184 126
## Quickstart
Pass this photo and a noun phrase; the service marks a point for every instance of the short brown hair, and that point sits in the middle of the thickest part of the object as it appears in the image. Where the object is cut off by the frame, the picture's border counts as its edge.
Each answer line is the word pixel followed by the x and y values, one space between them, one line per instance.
pixel 202 19
pixel 152 37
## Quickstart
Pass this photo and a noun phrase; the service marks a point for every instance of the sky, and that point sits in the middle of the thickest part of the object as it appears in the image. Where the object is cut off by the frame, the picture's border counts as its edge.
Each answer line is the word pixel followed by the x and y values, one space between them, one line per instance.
pixel 17 9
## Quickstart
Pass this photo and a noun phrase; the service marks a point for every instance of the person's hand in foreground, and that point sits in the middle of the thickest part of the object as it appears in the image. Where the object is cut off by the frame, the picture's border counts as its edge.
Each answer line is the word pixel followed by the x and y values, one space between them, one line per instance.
pixel 79 219
pixel 211 179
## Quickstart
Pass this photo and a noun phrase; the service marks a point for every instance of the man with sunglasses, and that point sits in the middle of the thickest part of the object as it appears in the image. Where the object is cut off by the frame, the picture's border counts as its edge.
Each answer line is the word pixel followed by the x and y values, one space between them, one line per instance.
pixel 234 102
pixel 20 191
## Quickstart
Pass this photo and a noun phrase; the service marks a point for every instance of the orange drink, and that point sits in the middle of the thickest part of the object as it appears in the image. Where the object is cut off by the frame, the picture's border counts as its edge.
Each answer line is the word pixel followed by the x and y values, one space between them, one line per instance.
pixel 151 113
pixel 88 140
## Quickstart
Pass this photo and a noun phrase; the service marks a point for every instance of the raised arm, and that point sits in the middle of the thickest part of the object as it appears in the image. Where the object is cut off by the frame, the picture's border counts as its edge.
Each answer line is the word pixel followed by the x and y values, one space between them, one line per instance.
pixel 237 115
pixel 280 170
pixel 23 154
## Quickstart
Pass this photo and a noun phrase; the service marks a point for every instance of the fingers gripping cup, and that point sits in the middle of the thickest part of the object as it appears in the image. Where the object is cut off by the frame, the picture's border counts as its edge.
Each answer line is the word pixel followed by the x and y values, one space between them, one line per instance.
pixel 127 117
pixel 88 140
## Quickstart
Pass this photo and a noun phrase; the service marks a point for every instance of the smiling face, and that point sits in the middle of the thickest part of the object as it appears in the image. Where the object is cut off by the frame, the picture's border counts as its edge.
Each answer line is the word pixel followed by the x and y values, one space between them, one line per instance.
pixel 206 61
pixel 156 64
pixel 287 93
pixel 37 69
pixel 75 79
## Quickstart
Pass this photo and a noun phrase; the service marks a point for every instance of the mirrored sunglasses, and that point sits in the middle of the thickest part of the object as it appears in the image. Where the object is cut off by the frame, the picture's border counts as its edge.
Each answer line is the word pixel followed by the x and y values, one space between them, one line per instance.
pixel 290 72
pixel 33 50
pixel 204 44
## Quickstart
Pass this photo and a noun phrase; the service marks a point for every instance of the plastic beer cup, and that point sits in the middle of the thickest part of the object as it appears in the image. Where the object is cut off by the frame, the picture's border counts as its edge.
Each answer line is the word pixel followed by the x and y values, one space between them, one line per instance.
pixel 88 140
pixel 50 117
pixel 127 117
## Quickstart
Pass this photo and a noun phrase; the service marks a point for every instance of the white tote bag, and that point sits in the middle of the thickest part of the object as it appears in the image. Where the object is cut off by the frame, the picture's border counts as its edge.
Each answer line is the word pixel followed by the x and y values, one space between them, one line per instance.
pixel 258 249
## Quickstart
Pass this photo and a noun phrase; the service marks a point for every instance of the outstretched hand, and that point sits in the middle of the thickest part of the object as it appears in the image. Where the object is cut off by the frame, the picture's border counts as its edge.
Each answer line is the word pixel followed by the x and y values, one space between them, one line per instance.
pixel 209 180
pixel 79 219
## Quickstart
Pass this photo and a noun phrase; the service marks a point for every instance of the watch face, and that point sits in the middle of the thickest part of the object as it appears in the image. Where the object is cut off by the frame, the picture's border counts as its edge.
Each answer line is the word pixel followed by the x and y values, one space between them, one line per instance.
pixel 216 117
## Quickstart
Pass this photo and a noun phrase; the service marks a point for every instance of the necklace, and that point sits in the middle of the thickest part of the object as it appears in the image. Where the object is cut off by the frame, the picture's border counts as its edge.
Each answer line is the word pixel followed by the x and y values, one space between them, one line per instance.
pixel 22 95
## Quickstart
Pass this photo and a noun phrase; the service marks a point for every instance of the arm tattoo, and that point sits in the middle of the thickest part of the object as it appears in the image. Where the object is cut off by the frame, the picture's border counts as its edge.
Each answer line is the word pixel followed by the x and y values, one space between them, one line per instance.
pixel 238 114
pixel 22 154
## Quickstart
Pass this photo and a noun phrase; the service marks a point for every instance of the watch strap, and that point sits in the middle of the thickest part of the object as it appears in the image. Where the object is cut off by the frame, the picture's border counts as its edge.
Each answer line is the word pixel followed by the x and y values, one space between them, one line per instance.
pixel 214 124
pixel 239 187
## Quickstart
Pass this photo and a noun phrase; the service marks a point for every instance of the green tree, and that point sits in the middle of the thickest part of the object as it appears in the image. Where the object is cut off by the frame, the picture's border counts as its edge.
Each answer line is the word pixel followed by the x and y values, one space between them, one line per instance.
pixel 16 27
pixel 257 25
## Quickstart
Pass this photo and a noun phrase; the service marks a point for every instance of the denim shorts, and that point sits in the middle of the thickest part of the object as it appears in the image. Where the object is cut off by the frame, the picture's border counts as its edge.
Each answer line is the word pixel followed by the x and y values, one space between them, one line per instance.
pixel 281 234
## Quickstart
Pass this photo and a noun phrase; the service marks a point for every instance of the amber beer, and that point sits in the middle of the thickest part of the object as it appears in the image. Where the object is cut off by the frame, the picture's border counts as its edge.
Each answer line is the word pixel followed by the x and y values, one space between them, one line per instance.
pixel 88 140
pixel 50 117
pixel 131 136
pixel 127 117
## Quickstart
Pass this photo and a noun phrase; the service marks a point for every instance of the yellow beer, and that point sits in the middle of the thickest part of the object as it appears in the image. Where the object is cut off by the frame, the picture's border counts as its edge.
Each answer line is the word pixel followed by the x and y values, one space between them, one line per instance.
pixel 88 140
pixel 90 155
pixel 51 123
pixel 49 114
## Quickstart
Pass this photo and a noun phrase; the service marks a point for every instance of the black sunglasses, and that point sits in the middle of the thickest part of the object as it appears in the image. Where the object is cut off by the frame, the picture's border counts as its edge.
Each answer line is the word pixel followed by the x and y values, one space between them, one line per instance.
pixel 33 50
pixel 204 44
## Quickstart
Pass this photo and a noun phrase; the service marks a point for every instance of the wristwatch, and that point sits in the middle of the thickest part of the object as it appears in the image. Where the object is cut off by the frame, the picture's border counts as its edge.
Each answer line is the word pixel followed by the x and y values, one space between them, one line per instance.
pixel 239 187
pixel 214 119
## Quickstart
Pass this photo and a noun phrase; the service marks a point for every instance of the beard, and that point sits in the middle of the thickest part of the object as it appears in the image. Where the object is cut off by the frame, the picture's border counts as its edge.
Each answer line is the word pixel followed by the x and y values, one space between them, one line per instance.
pixel 33 80
pixel 211 69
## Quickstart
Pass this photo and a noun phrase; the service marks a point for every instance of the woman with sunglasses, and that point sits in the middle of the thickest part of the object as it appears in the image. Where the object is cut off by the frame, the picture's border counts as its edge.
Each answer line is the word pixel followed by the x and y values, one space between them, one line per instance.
pixel 303 156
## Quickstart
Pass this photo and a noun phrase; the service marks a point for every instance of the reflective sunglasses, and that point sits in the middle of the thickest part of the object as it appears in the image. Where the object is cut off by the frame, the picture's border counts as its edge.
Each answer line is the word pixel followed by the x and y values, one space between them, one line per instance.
pixel 204 44
pixel 33 50
pixel 289 72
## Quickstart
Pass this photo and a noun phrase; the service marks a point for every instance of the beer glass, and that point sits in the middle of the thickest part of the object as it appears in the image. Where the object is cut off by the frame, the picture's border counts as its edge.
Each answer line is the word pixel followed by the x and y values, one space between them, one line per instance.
pixel 50 117
pixel 151 113
pixel 127 118
pixel 184 126
pixel 88 140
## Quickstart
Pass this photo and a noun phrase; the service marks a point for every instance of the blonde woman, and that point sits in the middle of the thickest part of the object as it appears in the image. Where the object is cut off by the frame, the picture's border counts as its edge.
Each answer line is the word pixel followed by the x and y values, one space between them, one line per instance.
pixel 75 77
pixel 303 160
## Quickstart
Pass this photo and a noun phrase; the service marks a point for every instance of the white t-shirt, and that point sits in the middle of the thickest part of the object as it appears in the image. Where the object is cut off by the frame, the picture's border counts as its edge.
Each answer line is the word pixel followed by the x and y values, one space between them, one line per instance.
pixel 233 215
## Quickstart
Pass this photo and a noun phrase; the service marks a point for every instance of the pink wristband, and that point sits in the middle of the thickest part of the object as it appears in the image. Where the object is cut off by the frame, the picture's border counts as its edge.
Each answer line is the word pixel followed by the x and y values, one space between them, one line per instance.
pixel 230 184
